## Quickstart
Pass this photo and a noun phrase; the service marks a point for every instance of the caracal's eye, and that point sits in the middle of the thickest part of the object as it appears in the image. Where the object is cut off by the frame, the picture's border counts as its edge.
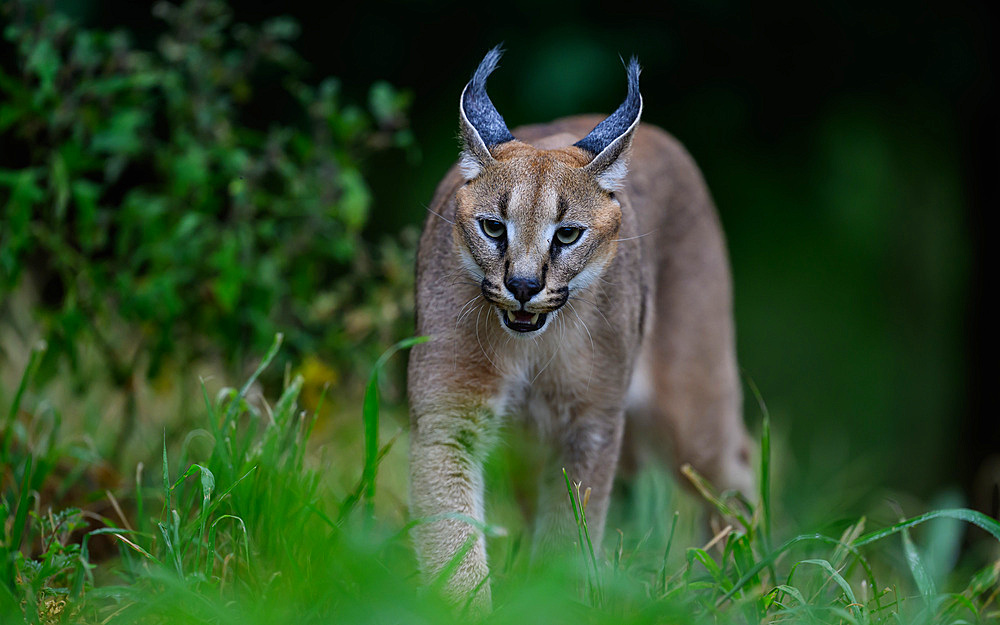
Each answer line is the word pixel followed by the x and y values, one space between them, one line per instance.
pixel 493 228
pixel 568 235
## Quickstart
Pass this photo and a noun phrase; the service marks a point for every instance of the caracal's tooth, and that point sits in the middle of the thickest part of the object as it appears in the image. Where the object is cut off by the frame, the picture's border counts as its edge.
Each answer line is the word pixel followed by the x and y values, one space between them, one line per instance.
pixel 534 318
pixel 510 315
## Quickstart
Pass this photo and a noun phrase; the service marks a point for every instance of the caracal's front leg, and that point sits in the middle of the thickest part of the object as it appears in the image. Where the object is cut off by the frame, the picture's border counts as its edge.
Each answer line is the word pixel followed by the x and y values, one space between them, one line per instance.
pixel 447 450
pixel 588 450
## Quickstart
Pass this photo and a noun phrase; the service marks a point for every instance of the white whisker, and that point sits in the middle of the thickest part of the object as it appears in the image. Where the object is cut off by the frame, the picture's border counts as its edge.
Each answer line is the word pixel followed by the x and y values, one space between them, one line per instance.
pixel 461 313
pixel 555 351
pixel 635 237
pixel 439 215
pixel 478 340
pixel 593 350
pixel 457 334
pixel 596 307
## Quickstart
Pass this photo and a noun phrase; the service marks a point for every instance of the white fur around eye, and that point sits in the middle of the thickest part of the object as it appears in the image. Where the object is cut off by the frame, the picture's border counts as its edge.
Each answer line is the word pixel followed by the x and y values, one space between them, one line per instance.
pixel 470 264
pixel 589 274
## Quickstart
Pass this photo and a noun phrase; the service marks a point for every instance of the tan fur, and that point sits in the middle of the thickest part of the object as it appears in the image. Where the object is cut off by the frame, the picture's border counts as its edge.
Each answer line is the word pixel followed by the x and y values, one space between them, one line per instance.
pixel 647 326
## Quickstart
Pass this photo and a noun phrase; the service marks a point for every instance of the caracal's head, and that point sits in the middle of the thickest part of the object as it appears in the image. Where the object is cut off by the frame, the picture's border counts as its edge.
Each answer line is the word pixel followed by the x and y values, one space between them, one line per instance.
pixel 535 225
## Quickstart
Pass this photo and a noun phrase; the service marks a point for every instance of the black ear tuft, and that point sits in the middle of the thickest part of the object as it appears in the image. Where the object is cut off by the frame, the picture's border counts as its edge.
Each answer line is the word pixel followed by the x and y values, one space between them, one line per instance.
pixel 478 108
pixel 605 133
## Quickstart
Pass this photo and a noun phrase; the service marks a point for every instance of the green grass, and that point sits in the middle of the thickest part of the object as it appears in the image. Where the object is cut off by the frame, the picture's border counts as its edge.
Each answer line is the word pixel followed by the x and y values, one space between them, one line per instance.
pixel 244 523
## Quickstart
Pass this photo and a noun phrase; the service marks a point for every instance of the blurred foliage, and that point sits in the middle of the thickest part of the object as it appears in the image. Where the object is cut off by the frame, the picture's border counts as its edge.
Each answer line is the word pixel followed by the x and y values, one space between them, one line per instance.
pixel 194 198
pixel 241 525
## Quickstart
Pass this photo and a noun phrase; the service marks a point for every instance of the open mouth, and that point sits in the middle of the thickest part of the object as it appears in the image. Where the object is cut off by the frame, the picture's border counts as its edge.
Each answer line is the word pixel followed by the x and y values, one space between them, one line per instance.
pixel 523 321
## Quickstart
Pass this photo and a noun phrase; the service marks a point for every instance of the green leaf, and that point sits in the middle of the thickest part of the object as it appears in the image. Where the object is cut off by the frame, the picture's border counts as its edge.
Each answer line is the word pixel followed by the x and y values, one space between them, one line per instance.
pixel 370 417
pixel 11 114
pixel 285 407
pixel 191 170
pixel 26 378
pixel 839 579
pixel 122 134
pixel 59 182
pixel 85 195
pixel 43 62
pixel 166 472
pixel 925 584
pixel 386 103
pixel 962 514
pixel 355 198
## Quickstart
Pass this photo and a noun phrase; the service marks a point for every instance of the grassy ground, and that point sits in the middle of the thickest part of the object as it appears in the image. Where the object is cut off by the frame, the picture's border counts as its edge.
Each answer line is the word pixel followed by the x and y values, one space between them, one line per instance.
pixel 249 521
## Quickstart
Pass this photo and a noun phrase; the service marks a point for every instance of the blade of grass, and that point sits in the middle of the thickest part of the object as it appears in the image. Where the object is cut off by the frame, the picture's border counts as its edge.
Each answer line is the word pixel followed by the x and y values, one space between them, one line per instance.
pixel 791 591
pixel 586 547
pixel 171 551
pixel 218 500
pixel 370 417
pixel 9 605
pixel 839 579
pixel 120 535
pixel 708 493
pixel 29 373
pixel 456 560
pixel 219 454
pixel 920 575
pixel 140 517
pixel 25 494
pixel 694 554
pixel 765 470
pixel 770 558
pixel 268 357
pixel 308 429
pixel 349 502
pixel 955 603
pixel 286 403
pixel 166 474
pixel 207 486
pixel 212 537
pixel 963 514
pixel 598 599
pixel 973 517
pixel 666 552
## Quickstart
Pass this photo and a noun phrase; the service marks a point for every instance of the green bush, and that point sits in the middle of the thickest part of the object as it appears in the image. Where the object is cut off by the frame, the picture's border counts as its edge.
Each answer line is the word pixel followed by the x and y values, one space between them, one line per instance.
pixel 194 198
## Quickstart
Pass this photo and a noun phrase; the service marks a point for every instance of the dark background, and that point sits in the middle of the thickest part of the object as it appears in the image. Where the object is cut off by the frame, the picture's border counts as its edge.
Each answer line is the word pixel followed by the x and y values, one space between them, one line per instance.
pixel 847 147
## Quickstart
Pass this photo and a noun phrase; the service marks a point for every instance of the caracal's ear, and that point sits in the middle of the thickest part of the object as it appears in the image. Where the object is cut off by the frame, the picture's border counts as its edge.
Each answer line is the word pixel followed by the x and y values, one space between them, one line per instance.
pixel 610 141
pixel 482 126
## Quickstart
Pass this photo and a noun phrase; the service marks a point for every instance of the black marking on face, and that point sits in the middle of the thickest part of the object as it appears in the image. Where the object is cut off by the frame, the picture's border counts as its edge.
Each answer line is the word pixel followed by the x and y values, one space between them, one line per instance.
pixel 563 207
pixel 502 204
pixel 490 291
pixel 473 240
pixel 545 270
pixel 500 243
pixel 557 298
pixel 588 246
